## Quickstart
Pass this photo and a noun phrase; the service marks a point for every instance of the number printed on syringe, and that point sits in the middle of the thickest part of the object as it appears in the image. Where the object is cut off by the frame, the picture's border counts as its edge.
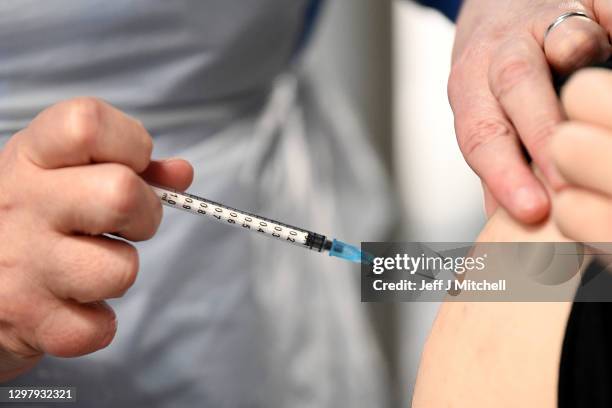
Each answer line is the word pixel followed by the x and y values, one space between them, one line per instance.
pixel 233 217
pixel 261 225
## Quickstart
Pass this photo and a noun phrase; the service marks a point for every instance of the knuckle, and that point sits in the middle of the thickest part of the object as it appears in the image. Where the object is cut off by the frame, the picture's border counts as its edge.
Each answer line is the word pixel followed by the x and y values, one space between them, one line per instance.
pixel 148 150
pixel 83 121
pixel 122 195
pixel 147 140
pixel 12 344
pixel 146 155
pixel 509 71
pixel 127 272
pixel 511 65
pixel 67 343
pixel 156 217
pixel 147 147
pixel 152 224
pixel 481 133
pixel 94 332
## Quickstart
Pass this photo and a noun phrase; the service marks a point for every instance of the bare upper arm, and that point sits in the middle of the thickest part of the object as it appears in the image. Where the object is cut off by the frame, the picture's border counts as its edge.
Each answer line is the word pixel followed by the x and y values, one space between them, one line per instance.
pixel 495 354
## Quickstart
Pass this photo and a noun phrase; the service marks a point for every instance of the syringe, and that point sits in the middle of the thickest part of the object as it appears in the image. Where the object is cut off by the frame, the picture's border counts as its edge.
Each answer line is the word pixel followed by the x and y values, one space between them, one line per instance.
pixel 264 226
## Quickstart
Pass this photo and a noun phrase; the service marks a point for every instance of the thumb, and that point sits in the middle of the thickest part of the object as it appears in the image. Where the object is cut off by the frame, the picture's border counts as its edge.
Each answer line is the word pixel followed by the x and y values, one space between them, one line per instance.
pixel 174 173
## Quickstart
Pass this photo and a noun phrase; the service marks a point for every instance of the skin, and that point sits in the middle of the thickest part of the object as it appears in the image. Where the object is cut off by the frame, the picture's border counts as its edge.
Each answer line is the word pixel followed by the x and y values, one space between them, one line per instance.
pixel 508 354
pixel 495 354
pixel 582 148
pixel 501 92
pixel 75 173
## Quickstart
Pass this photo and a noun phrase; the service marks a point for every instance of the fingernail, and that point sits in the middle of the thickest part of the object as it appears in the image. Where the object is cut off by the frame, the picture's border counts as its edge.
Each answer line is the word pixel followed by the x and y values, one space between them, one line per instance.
pixel 530 203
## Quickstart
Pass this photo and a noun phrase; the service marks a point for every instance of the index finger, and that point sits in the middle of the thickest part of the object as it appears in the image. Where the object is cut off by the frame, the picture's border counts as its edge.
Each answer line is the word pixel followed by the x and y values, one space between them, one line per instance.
pixel 491 147
pixel 83 131
pixel 521 81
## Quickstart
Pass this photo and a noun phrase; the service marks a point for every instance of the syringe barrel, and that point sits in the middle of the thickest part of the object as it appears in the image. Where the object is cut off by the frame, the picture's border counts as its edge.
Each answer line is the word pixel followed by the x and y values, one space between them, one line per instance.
pixel 237 218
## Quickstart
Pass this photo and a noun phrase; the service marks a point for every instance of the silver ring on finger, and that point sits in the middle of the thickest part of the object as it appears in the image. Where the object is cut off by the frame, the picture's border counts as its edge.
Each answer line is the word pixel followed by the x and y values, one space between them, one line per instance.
pixel 563 17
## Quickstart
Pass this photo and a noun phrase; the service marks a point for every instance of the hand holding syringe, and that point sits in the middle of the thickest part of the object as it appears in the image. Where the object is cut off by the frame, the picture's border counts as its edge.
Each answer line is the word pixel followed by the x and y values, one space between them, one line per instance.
pixel 75 174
